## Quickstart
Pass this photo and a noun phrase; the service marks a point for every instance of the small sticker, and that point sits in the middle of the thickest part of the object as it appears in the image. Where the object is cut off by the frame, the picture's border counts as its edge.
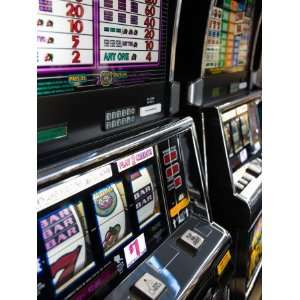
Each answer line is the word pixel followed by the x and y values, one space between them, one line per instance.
pixel 150 110
pixel 243 155
pixel 134 159
pixel 223 263
pixel 135 250
pixel 192 238
pixel 243 85
pixel 150 286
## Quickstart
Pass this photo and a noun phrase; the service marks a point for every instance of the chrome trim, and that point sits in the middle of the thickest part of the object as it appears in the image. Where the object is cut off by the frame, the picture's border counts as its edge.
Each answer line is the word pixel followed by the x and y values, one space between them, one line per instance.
pixel 206 264
pixel 255 40
pixel 225 149
pixel 174 41
pixel 258 217
pixel 234 102
pixel 195 92
pixel 253 196
pixel 197 152
pixel 63 168
pixel 253 279
pixel 204 150
pixel 163 189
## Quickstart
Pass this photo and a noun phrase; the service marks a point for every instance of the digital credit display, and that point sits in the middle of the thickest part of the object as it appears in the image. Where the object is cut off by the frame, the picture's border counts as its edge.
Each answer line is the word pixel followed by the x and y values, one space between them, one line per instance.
pixel 88 44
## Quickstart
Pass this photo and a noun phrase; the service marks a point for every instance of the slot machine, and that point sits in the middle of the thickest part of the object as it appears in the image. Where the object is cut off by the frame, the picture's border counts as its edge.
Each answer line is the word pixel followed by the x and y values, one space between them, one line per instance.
pixel 117 206
pixel 103 67
pixel 232 149
pixel 214 49
pixel 131 219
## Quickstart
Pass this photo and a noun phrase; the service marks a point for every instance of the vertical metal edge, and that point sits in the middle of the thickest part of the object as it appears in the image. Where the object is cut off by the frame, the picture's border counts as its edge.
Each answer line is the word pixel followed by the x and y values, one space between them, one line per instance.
pixel 197 152
pixel 164 188
pixel 195 92
pixel 254 72
pixel 204 150
pixel 225 149
pixel 174 41
pixel 196 86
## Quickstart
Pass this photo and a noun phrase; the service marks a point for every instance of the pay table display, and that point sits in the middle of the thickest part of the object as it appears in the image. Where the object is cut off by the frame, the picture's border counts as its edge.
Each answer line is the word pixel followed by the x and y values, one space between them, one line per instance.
pixel 242 133
pixel 228 36
pixel 88 44
pixel 95 227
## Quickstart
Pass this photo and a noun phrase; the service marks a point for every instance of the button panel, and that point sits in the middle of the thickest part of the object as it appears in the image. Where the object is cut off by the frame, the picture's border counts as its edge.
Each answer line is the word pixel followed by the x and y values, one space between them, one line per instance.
pixel 174 180
pixel 120 117
pixel 251 172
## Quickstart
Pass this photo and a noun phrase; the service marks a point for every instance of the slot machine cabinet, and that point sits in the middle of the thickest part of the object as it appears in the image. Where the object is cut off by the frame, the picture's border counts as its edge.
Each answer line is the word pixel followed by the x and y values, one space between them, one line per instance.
pixel 232 150
pixel 130 213
pixel 214 49
pixel 103 67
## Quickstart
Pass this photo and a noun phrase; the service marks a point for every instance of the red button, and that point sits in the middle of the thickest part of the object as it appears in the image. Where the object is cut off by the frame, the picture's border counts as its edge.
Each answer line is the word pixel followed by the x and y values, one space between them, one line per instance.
pixel 178 182
pixel 169 172
pixel 175 168
pixel 173 155
pixel 167 158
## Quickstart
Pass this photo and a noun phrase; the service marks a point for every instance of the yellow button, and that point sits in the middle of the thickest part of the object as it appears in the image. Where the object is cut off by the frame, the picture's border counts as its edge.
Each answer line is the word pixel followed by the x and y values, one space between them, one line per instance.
pixel 223 263
pixel 179 206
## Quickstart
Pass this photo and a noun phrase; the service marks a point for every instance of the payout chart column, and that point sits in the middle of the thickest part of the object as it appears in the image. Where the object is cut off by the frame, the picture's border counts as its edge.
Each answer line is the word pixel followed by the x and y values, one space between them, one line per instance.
pixel 129 32
pixel 65 34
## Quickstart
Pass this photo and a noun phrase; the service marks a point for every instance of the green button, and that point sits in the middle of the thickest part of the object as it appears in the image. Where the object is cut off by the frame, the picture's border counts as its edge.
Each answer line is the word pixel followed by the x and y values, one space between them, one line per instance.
pixel 50 134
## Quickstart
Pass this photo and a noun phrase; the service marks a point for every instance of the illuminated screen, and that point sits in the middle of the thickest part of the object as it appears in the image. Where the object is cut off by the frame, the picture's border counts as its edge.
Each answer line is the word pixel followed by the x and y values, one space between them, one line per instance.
pixel 255 250
pixel 228 36
pixel 88 44
pixel 255 127
pixel 112 216
pixel 241 133
pixel 228 138
pixel 67 244
pixel 236 137
pixel 244 121
pixel 145 195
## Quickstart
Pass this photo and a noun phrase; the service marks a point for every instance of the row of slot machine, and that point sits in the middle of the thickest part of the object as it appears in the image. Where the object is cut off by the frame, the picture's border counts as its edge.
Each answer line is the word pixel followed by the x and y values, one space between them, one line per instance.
pixel 149 149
